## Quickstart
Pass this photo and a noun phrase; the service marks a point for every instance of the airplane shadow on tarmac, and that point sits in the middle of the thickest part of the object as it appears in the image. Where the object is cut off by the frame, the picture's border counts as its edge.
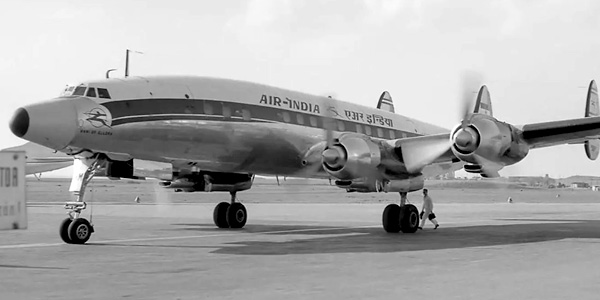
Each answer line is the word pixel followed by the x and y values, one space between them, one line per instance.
pixel 375 240
pixel 323 239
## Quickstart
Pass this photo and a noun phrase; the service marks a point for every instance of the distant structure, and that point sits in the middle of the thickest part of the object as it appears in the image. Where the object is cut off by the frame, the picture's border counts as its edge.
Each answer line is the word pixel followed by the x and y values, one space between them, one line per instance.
pixel 580 185
pixel 596 188
pixel 447 176
pixel 509 200
pixel 539 181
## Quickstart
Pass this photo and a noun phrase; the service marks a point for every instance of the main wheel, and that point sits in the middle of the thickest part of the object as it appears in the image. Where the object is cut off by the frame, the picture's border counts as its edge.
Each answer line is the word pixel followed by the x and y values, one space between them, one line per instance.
pixel 64 230
pixel 237 215
pixel 80 231
pixel 391 218
pixel 220 215
pixel 409 219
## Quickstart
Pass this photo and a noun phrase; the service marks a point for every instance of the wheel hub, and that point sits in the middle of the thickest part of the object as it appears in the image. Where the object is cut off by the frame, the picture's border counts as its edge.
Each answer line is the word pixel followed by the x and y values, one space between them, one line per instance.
pixel 414 219
pixel 239 215
pixel 82 231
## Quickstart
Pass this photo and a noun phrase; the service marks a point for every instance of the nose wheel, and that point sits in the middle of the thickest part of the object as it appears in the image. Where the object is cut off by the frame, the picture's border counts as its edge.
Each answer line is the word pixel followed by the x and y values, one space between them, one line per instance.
pixel 77 231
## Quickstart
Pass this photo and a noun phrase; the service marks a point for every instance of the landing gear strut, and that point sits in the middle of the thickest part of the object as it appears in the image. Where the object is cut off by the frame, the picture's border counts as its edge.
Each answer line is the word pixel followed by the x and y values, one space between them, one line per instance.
pixel 403 217
pixel 74 229
pixel 230 215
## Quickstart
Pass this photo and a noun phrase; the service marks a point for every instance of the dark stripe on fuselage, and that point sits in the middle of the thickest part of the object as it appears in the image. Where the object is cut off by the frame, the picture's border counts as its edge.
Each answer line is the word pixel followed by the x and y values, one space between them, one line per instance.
pixel 143 110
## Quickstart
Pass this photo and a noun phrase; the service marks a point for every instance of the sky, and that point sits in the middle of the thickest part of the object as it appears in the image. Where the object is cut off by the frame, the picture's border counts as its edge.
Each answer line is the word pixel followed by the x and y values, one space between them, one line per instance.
pixel 537 57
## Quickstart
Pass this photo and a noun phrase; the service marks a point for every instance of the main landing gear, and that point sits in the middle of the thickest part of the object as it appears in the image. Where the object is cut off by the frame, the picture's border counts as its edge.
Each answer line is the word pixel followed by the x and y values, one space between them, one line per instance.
pixel 403 217
pixel 74 229
pixel 230 215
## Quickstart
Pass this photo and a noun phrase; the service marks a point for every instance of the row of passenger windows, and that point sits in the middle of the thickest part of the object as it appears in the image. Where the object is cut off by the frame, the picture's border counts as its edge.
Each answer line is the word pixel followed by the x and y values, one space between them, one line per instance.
pixel 306 120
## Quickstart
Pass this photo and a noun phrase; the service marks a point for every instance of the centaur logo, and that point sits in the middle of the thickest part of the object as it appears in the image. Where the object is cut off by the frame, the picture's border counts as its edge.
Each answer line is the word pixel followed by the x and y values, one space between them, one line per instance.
pixel 99 117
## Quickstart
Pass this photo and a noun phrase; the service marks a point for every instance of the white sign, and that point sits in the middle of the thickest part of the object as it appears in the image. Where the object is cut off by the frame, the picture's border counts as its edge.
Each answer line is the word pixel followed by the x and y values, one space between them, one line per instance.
pixel 13 205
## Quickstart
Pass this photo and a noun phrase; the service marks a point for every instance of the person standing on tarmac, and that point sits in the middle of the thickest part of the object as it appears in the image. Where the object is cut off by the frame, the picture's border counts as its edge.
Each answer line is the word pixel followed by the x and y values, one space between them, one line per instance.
pixel 427 210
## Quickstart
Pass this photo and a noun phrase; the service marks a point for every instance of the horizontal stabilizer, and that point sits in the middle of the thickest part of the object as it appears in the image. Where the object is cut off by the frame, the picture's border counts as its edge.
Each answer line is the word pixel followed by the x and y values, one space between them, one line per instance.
pixel 385 102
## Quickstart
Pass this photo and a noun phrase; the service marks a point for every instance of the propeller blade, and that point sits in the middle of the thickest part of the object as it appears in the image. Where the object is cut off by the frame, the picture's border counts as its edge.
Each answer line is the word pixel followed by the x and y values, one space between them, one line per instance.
pixel 422 151
pixel 470 83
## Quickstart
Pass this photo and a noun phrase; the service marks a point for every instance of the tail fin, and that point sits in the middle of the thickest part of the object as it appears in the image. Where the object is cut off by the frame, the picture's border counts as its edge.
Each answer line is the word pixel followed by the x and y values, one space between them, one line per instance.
pixel 592 147
pixel 484 102
pixel 385 102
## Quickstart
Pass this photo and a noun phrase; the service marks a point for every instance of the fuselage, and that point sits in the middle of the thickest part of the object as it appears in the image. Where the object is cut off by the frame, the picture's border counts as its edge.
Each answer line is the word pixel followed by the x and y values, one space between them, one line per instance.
pixel 213 124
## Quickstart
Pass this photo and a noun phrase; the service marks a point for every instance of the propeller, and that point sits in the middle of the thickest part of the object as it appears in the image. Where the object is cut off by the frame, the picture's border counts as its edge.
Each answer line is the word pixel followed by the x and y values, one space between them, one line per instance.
pixel 420 153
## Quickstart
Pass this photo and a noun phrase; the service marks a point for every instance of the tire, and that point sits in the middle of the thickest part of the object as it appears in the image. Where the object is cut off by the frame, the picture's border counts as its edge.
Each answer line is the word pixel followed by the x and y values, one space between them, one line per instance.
pixel 80 231
pixel 237 215
pixel 220 215
pixel 63 230
pixel 391 218
pixel 409 219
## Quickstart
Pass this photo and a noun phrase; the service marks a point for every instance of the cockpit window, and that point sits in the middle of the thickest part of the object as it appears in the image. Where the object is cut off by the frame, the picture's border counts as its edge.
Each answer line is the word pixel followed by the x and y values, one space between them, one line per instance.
pixel 79 91
pixel 103 93
pixel 91 92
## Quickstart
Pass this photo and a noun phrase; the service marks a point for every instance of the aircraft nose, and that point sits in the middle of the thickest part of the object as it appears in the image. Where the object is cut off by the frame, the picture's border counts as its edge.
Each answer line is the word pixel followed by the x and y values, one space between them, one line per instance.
pixel 19 124
pixel 50 123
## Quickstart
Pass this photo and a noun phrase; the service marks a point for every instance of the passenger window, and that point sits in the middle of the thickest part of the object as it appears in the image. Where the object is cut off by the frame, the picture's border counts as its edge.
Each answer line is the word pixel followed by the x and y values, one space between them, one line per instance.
pixel 341 126
pixel 368 130
pixel 300 119
pixel 404 135
pixel 103 93
pixel 379 132
pixel 359 128
pixel 246 115
pixel 392 135
pixel 226 111
pixel 313 121
pixel 286 117
pixel 208 109
pixel 79 91
pixel 91 92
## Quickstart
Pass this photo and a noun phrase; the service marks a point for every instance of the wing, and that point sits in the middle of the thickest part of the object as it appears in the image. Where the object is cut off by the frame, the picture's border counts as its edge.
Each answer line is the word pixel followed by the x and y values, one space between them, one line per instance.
pixel 583 130
pixel 41 159
pixel 571 131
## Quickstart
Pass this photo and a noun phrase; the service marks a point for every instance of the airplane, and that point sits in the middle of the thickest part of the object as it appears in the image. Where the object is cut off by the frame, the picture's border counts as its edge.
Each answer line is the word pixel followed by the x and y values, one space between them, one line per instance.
pixel 40 159
pixel 203 134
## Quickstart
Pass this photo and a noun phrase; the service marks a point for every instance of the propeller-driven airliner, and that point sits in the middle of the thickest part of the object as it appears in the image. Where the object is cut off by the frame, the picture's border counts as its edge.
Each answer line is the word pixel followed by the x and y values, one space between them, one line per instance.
pixel 202 134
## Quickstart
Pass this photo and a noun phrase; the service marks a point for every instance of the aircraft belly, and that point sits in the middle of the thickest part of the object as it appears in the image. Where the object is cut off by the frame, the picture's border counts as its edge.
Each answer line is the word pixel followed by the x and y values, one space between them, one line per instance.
pixel 225 146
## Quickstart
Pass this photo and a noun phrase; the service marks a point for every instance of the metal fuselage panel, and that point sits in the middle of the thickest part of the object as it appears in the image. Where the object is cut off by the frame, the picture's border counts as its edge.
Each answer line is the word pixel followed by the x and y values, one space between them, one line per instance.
pixel 222 125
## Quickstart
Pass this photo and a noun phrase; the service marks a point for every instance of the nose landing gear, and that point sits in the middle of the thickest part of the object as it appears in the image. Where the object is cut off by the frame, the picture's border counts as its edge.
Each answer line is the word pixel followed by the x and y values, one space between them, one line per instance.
pixel 74 229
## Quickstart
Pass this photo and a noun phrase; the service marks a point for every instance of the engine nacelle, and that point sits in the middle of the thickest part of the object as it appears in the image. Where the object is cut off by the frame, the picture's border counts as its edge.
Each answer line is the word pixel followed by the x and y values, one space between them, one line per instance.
pixel 364 185
pixel 137 169
pixel 351 156
pixel 404 185
pixel 486 140
pixel 211 182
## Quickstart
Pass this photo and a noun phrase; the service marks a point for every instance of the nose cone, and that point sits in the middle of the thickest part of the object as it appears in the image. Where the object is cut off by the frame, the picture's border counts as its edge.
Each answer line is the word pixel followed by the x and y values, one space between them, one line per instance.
pixel 19 124
pixel 51 123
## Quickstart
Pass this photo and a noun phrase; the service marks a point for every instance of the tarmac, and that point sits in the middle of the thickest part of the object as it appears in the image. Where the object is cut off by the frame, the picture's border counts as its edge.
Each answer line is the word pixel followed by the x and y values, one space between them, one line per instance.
pixel 307 251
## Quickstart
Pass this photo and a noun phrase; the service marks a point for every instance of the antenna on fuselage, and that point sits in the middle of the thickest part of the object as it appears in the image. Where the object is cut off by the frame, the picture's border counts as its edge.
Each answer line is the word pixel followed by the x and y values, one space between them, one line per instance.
pixel 127 60
pixel 108 72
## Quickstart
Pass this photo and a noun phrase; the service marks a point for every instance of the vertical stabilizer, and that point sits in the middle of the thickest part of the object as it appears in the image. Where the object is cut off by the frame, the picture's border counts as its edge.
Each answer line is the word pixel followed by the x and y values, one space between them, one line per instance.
pixel 484 102
pixel 385 102
pixel 592 147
